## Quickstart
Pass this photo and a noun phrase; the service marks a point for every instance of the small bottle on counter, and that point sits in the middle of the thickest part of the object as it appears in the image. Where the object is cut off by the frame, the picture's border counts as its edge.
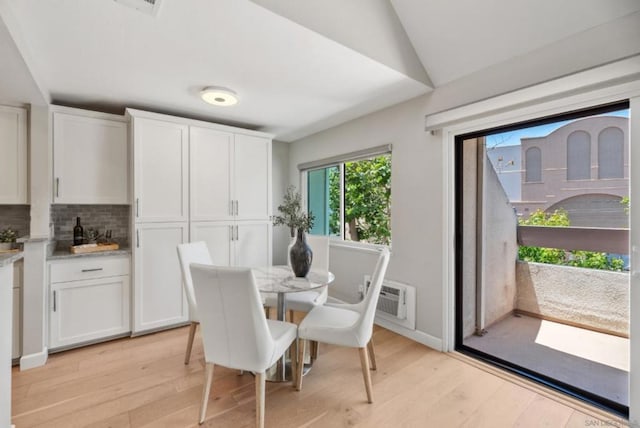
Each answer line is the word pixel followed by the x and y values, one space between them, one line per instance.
pixel 78 235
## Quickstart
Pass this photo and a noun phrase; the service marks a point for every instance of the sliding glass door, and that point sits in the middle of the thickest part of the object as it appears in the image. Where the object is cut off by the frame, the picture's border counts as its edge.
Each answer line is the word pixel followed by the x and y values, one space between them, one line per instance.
pixel 542 258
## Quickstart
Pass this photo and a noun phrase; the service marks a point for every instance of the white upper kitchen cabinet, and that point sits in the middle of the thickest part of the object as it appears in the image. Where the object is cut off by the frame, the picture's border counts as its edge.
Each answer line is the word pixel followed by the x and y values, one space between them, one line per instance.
pixel 252 177
pixel 13 158
pixel 160 164
pixel 211 157
pixel 230 175
pixel 90 157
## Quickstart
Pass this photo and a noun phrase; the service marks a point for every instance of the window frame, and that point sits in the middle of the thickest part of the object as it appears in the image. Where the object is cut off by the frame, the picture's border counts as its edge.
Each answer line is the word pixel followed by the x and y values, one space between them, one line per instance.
pixel 339 161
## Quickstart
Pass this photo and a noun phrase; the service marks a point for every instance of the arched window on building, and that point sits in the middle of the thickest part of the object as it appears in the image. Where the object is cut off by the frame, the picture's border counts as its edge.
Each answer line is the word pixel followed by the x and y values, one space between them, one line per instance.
pixel 533 165
pixel 579 156
pixel 611 153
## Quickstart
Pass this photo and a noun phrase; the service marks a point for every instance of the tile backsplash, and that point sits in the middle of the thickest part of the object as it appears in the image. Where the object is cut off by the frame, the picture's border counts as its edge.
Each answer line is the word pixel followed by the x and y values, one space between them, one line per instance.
pixel 100 217
pixel 16 217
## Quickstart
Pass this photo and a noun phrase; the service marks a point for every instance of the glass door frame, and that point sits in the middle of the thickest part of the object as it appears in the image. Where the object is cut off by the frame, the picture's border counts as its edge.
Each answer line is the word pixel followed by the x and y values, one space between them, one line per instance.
pixel 458 344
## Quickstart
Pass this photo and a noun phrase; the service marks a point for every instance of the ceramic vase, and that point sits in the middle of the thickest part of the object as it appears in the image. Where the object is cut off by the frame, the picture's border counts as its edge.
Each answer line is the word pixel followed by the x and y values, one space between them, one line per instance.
pixel 300 255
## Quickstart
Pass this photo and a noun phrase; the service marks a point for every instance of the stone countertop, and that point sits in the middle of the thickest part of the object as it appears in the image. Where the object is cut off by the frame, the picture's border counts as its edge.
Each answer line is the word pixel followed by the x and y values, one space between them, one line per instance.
pixel 65 254
pixel 8 258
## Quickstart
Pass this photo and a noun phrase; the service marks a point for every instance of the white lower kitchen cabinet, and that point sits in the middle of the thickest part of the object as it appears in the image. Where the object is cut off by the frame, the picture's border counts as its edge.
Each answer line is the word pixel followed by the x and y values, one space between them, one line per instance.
pixel 218 237
pixel 89 300
pixel 17 316
pixel 16 338
pixel 235 243
pixel 252 244
pixel 159 301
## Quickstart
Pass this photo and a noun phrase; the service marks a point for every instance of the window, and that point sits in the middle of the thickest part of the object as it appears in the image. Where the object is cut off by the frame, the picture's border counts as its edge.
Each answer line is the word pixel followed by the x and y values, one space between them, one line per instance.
pixel 351 199
pixel 533 165
pixel 611 153
pixel 579 156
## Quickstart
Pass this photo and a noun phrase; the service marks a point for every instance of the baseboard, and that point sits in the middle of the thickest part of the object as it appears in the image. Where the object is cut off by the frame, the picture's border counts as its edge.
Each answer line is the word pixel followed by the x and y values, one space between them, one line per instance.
pixel 418 336
pixel 34 360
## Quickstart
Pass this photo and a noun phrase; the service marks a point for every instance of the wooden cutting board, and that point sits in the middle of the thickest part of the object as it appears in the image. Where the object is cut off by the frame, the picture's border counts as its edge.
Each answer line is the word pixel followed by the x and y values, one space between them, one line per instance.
pixel 92 248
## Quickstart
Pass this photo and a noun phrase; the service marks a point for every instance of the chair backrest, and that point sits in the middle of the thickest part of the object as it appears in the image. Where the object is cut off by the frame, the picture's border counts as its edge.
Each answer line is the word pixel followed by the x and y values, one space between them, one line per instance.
pixel 367 307
pixel 320 247
pixel 193 252
pixel 234 329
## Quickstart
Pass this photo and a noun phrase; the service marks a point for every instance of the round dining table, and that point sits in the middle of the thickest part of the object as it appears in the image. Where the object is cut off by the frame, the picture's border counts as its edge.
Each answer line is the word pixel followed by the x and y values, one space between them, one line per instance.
pixel 281 280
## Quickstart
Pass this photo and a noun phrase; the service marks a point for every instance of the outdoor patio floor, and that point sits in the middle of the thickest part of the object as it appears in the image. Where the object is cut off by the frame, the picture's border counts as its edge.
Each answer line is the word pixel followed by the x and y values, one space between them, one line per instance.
pixel 591 361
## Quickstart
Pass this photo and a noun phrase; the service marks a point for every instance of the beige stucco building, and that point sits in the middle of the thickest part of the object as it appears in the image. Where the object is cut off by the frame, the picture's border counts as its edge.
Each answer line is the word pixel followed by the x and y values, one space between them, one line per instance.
pixel 582 167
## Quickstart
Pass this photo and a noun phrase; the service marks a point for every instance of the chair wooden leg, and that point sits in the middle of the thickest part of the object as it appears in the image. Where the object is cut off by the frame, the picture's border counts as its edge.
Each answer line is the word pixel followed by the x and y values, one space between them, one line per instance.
pixel 364 362
pixel 267 312
pixel 192 333
pixel 260 388
pixel 313 352
pixel 293 353
pixel 301 345
pixel 291 315
pixel 208 377
pixel 372 354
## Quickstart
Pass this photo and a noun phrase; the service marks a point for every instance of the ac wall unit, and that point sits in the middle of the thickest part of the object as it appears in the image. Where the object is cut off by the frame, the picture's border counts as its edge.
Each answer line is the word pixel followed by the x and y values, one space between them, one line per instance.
pixel 397 302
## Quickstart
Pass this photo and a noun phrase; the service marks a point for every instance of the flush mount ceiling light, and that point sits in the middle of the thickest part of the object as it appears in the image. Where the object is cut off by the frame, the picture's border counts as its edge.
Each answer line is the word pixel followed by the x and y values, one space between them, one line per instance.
pixel 219 96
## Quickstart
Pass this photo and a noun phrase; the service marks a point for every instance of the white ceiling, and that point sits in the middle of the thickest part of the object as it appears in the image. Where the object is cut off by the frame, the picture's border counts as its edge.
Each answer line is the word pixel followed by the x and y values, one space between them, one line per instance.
pixel 461 37
pixel 297 70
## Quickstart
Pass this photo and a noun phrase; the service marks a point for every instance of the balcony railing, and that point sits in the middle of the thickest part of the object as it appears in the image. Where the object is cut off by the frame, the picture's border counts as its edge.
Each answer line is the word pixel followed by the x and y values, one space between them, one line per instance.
pixel 575 238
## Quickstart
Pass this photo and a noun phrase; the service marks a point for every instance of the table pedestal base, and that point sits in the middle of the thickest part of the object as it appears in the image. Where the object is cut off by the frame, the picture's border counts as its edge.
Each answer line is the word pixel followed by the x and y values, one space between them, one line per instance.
pixel 273 373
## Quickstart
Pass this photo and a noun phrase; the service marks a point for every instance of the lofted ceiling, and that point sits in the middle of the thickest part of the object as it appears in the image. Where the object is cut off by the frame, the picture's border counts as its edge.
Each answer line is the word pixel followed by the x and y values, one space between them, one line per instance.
pixel 298 67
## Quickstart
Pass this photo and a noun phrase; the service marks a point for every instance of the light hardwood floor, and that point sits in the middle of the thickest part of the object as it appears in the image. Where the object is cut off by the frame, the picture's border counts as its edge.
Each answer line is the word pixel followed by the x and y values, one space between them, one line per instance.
pixel 142 382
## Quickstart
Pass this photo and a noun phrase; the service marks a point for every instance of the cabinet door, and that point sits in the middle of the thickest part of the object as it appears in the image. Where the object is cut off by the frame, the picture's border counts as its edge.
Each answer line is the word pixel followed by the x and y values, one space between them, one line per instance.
pixel 90 160
pixel 252 244
pixel 18 274
pixel 13 158
pixel 218 237
pixel 160 170
pixel 16 349
pixel 252 177
pixel 210 174
pixel 159 300
pixel 87 310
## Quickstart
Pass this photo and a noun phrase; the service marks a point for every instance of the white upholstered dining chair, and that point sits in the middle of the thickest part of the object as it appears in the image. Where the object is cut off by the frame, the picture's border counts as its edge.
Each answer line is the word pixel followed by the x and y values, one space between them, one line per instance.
pixel 348 325
pixel 193 252
pixel 235 332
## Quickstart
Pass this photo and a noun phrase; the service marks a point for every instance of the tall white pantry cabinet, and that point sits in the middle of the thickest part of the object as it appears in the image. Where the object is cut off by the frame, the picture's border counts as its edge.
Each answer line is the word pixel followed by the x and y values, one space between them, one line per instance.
pixel 193 181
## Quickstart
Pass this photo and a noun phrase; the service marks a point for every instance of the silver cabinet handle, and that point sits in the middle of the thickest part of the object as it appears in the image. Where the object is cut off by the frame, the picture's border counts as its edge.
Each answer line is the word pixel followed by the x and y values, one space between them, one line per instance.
pixel 92 270
pixel 236 232
pixel 137 207
pixel 237 208
pixel 57 187
pixel 231 232
pixel 137 238
pixel 54 302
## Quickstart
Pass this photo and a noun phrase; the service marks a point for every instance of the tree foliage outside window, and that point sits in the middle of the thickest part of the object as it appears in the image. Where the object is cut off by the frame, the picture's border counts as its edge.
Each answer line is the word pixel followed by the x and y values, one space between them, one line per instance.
pixel 367 200
pixel 556 256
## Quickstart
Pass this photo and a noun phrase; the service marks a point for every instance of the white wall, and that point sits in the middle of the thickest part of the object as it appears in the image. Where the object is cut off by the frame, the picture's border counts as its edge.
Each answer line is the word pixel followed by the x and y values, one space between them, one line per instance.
pixel 34 351
pixel 280 182
pixel 416 193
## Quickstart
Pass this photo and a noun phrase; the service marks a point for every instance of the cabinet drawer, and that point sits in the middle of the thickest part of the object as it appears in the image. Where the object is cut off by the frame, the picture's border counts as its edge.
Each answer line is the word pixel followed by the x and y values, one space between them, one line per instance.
pixel 88 268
